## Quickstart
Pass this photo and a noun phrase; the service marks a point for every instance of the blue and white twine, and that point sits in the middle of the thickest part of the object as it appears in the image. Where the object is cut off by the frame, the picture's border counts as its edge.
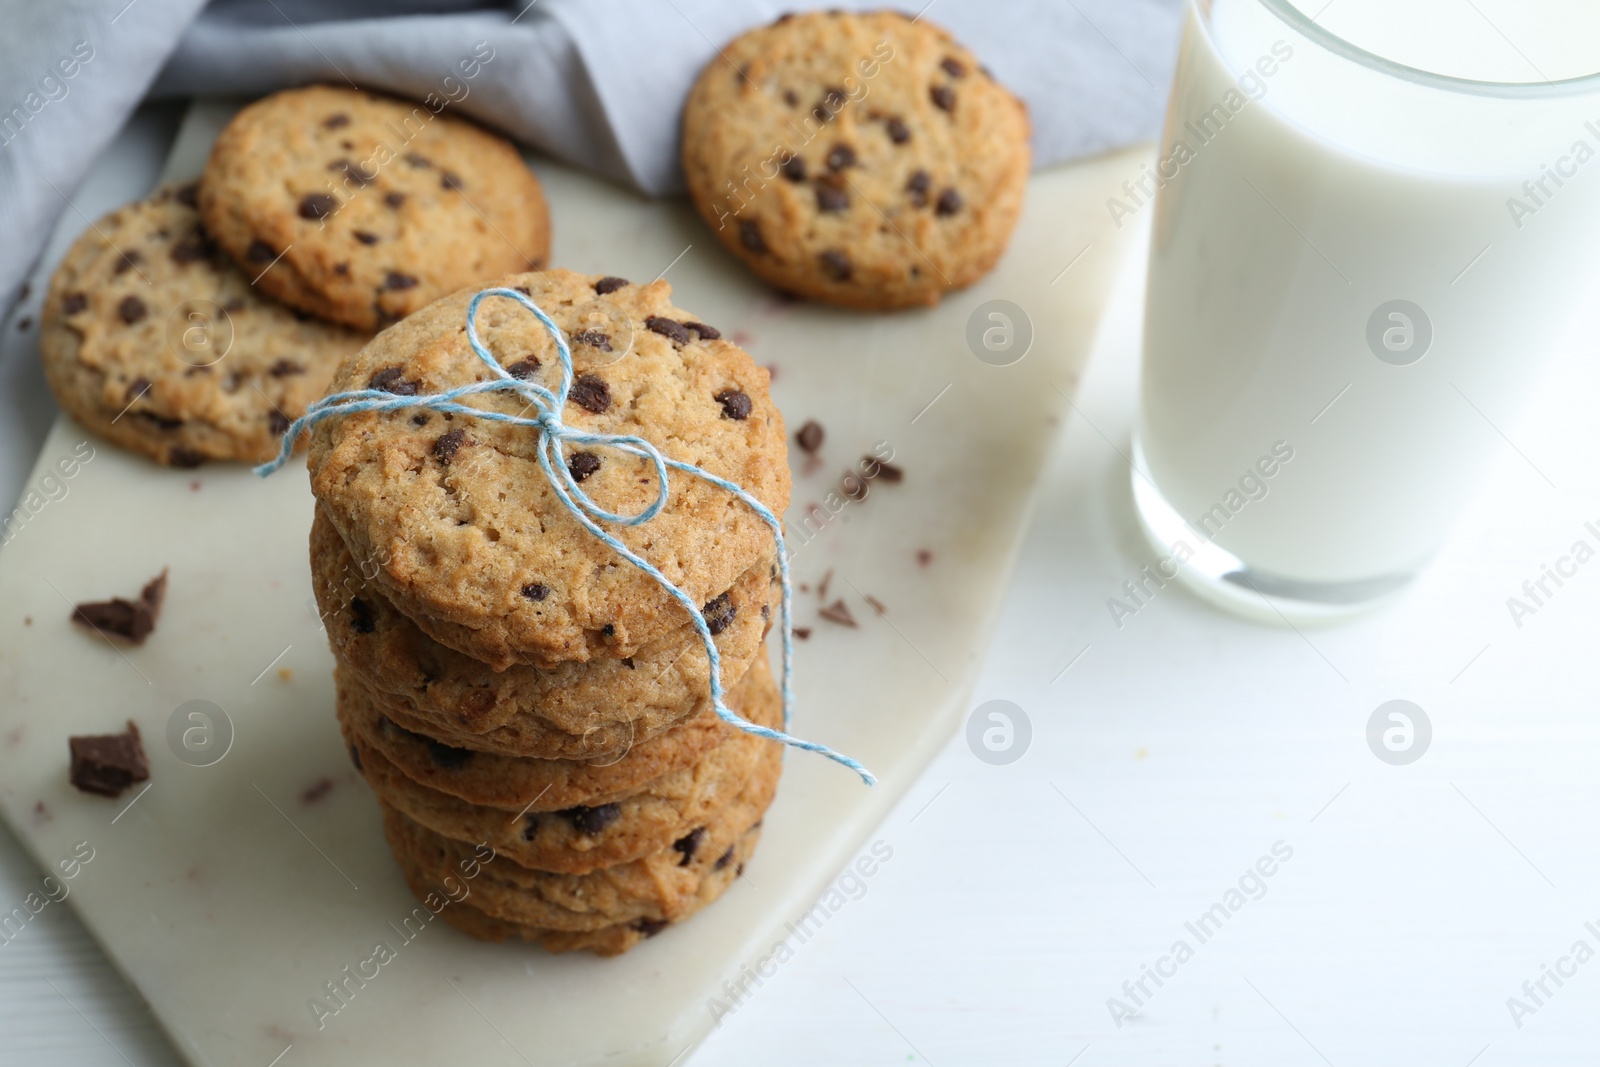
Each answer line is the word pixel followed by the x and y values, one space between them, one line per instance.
pixel 553 433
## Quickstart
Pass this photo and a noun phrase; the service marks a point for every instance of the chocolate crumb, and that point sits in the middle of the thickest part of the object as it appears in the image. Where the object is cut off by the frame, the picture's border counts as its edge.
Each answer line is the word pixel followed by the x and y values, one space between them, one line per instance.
pixel 839 612
pixel 591 821
pixel 822 586
pixel 536 592
pixel 361 620
pixel 810 436
pixel 877 605
pixel 609 284
pixel 448 444
pixel 316 790
pixel 735 404
pixel 591 393
pixel 882 469
pixel 719 613
pixel 924 557
pixel 107 764
pixel 583 464
pixel 802 632
pixel 689 843
pixel 128 620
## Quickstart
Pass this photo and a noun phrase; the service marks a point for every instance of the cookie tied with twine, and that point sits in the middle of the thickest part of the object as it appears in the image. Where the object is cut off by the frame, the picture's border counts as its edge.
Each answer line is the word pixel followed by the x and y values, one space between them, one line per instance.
pixel 543 415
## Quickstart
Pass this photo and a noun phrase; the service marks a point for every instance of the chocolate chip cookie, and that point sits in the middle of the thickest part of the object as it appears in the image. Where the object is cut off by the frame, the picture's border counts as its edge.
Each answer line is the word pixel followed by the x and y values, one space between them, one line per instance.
pixel 464 533
pixel 862 159
pixel 599 830
pixel 571 711
pixel 363 208
pixel 152 338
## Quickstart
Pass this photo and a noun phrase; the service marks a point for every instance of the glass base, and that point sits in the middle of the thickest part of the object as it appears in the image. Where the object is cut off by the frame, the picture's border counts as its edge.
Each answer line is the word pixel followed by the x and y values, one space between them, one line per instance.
pixel 1216 575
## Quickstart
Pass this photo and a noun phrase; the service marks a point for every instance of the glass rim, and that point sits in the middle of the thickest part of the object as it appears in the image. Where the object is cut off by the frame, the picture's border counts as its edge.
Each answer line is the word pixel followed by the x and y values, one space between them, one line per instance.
pixel 1302 24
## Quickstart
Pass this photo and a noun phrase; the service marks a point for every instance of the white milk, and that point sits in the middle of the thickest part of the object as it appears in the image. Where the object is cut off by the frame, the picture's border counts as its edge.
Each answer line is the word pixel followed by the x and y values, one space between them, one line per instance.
pixel 1284 221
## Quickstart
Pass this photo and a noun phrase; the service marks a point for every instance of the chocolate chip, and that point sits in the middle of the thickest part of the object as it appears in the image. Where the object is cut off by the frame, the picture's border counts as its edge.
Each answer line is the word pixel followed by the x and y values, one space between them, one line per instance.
pixel 830 199
pixel 735 404
pixel 448 756
pixel 591 393
pixel 593 339
pixel 837 264
pixel 953 67
pixel 917 185
pixel 364 237
pixel 530 827
pixel 949 203
pixel 277 421
pixel 73 303
pixel 628 662
pixel 126 261
pixel 608 630
pixel 394 199
pixel 260 252
pixel 451 180
pixel 794 168
pixel 943 97
pixel 719 613
pixel 583 464
pixel 25 322
pixel 841 157
pixel 833 101
pixel 791 97
pixel 418 160
pixel 810 436
pixel 592 820
pixel 196 246
pixel 650 927
pixel 136 388
pixel 317 206
pixel 395 280
pixel 355 756
pixel 750 236
pixel 284 368
pixel 354 173
pixel 390 381
pixel 188 195
pixel 899 132
pixel 129 620
pixel 336 121
pixel 420 418
pixel 185 458
pixel 448 444
pixel 534 591
pixel 361 620
pixel 609 284
pixel 523 368
pixel 106 764
pixel 724 859
pixel 839 612
pixel 132 309
pixel 670 328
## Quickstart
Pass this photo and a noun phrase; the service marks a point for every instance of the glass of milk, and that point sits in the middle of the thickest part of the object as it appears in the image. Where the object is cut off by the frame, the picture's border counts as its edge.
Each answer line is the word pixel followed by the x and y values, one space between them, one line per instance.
pixel 1372 222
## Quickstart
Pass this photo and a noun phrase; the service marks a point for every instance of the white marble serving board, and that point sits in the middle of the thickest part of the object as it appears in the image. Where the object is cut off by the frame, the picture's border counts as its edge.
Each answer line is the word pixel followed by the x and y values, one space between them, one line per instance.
pixel 231 894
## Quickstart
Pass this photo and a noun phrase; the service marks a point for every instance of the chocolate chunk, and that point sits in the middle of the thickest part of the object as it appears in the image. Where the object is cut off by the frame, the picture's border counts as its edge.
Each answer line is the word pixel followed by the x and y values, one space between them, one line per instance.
pixel 837 264
pixel 943 97
pixel 336 121
pixel 394 199
pixel 73 303
pixel 917 185
pixel 389 379
pixel 841 157
pixel 719 613
pixel 735 404
pixel 260 252
pixel 583 464
pixel 189 195
pixel 128 620
pixel 277 421
pixel 750 236
pixel 136 388
pixel 830 199
pixel 107 764
pixel 592 820
pixel 364 237
pixel 707 333
pixel 530 827
pixel 899 132
pixel 810 436
pixel 184 458
pixel 535 591
pixel 451 180
pixel 650 927
pixel 395 280
pixel 724 859
pixel 669 328
pixel 317 206
pixel 284 368
pixel 949 203
pixel 593 339
pixel 953 67
pixel 361 620
pixel 523 368
pixel 794 168
pixel 131 309
pixel 448 444
pixel 838 612
pixel 591 393
pixel 418 160
pixel 128 260
pixel 448 756
pixel 609 284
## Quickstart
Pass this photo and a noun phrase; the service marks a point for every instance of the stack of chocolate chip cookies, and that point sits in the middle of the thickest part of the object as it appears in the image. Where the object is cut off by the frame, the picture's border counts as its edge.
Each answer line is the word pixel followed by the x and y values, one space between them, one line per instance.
pixel 533 710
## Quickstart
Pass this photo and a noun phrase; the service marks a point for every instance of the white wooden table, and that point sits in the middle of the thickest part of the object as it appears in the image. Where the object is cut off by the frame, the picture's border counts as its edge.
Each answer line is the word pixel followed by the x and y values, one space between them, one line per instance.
pixel 1168 758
